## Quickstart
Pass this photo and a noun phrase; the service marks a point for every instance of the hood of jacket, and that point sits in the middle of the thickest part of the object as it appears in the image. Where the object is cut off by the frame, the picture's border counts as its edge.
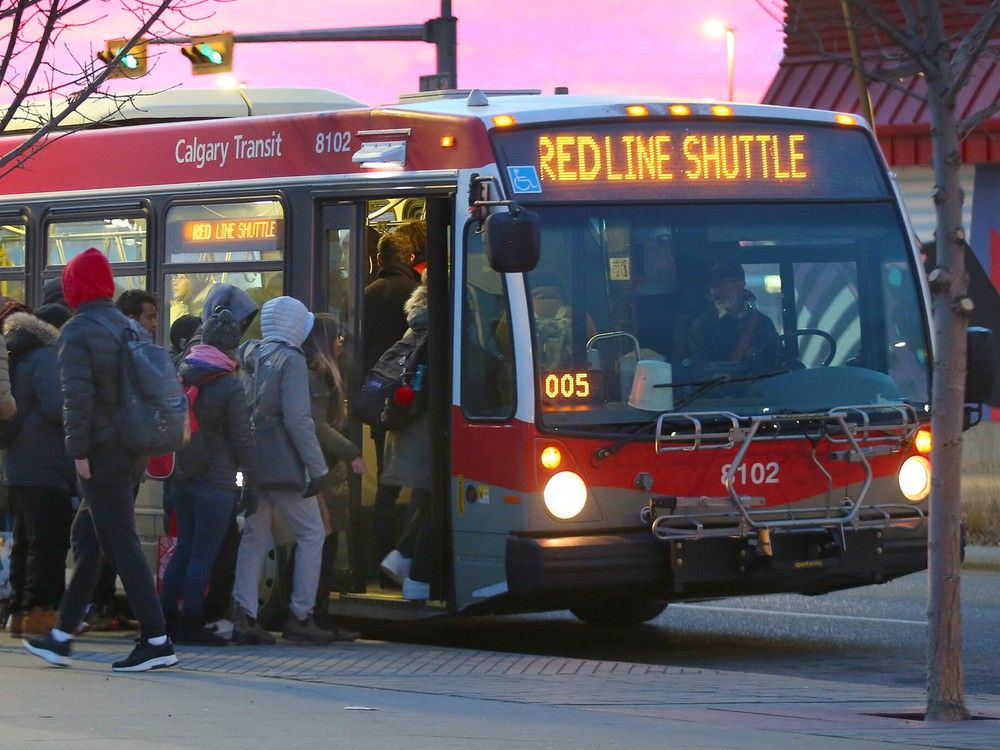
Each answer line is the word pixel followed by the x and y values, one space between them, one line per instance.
pixel 231 298
pixel 416 309
pixel 285 319
pixel 24 332
pixel 88 277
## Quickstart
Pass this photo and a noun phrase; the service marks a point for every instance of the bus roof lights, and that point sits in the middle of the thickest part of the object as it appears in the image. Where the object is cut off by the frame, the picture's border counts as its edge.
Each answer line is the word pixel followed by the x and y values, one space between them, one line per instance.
pixel 843 119
pixel 504 121
pixel 637 110
pixel 447 141
pixel 721 110
pixel 679 110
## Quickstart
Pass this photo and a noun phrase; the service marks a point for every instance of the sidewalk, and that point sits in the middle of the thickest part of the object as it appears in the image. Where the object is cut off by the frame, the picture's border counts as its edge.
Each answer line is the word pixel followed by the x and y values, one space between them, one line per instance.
pixel 433 697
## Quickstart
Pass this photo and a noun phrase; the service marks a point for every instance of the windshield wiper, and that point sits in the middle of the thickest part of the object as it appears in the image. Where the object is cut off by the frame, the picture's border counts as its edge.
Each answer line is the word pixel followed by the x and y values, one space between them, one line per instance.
pixel 703 386
pixel 706 385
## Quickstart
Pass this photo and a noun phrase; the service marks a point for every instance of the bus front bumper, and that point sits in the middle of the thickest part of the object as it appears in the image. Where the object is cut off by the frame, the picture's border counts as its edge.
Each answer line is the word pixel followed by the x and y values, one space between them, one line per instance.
pixel 558 572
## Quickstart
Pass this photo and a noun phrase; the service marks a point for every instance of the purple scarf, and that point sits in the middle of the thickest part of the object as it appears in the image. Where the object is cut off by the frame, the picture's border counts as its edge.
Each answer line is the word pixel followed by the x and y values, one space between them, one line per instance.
pixel 204 354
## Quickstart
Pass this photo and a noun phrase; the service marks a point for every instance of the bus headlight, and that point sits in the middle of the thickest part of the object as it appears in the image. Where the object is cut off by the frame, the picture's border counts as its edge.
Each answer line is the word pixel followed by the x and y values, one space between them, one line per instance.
pixel 565 495
pixel 915 478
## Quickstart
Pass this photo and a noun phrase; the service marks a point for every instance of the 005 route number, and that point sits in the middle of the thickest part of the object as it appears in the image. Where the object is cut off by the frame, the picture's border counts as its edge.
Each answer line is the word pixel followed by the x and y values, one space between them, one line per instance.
pixel 755 473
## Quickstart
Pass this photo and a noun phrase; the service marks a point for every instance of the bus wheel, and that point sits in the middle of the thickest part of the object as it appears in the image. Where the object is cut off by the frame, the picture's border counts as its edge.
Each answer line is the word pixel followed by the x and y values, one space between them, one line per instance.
pixel 275 587
pixel 621 612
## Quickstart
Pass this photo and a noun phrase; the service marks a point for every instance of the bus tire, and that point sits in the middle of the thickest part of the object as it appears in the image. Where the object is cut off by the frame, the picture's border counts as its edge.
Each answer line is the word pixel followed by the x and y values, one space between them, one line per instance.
pixel 275 588
pixel 621 612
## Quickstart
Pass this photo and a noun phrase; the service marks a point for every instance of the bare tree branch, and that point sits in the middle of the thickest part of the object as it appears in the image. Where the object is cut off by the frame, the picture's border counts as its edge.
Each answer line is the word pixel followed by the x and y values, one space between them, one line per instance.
pixel 908 42
pixel 971 48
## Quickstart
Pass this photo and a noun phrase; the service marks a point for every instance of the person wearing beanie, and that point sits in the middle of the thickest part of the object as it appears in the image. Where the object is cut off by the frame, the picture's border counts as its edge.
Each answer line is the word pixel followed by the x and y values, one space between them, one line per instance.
pixel 220 587
pixel 290 472
pixel 39 475
pixel 181 331
pixel 203 486
pixel 90 359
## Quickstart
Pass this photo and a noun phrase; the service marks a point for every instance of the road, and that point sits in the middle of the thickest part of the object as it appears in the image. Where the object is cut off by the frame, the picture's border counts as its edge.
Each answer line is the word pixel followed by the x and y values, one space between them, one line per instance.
pixel 874 635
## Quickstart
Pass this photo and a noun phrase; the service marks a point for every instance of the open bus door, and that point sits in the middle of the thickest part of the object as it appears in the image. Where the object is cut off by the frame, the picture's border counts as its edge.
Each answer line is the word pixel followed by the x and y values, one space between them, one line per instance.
pixel 346 232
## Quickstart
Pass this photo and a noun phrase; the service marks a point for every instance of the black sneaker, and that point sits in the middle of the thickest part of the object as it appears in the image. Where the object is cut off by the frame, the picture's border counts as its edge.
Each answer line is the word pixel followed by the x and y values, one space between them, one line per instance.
pixel 53 651
pixel 146 656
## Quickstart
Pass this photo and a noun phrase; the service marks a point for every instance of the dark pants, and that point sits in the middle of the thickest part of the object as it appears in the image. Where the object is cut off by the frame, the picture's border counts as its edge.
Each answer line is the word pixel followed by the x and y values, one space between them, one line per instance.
pixel 106 522
pixel 203 514
pixel 385 503
pixel 220 584
pixel 415 541
pixel 41 522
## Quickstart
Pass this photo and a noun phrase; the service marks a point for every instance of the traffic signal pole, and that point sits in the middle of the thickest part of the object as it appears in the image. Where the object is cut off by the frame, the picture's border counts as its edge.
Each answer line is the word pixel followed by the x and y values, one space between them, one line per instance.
pixel 441 32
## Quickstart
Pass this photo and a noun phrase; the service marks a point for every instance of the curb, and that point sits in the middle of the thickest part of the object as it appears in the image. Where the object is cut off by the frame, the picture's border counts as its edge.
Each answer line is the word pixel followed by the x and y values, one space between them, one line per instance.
pixel 978 557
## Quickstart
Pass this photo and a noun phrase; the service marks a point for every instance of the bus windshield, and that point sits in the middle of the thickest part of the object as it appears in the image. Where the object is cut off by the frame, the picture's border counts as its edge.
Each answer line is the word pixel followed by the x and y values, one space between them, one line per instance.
pixel 747 308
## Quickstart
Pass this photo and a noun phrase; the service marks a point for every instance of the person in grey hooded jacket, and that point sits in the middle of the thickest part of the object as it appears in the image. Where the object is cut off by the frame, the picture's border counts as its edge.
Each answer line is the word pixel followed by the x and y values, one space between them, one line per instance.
pixel 290 470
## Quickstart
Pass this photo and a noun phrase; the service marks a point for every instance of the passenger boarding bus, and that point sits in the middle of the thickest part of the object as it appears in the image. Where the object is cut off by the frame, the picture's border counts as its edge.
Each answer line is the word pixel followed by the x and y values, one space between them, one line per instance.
pixel 678 349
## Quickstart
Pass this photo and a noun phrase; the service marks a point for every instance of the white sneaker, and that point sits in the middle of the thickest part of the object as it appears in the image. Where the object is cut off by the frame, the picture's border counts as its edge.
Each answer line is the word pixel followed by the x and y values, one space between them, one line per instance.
pixel 416 590
pixel 396 566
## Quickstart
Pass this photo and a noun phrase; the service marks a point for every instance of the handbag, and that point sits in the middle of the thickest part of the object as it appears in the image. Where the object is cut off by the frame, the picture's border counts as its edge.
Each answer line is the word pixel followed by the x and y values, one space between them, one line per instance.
pixel 279 462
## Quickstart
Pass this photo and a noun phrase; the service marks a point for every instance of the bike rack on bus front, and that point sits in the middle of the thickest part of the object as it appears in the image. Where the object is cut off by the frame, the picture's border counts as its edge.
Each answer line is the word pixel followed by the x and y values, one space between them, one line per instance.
pixel 867 430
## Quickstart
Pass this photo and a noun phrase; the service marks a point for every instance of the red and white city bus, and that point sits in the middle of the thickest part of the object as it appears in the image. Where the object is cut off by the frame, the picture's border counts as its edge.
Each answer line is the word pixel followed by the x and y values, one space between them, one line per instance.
pixel 592 449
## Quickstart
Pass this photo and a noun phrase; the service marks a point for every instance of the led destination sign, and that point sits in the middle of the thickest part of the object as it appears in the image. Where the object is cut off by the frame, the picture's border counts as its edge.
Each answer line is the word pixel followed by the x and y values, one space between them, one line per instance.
pixel 230 230
pixel 731 159
pixel 698 156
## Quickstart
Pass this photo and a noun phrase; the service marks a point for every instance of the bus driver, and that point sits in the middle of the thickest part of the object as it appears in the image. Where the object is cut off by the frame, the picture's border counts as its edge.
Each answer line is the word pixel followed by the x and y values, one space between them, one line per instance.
pixel 735 332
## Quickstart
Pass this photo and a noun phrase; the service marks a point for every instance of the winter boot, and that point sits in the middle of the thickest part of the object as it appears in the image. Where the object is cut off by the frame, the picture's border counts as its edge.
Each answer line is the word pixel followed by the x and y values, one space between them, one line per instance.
pixel 248 632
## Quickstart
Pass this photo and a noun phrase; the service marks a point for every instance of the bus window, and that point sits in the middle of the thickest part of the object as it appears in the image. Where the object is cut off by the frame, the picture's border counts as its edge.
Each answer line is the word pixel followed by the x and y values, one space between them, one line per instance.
pixel 226 232
pixel 487 351
pixel 188 290
pixel 827 300
pixel 123 240
pixel 12 241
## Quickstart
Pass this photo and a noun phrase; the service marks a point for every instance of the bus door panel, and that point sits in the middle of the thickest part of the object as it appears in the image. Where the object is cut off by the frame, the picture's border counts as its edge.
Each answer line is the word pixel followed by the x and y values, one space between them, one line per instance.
pixel 487 442
pixel 338 284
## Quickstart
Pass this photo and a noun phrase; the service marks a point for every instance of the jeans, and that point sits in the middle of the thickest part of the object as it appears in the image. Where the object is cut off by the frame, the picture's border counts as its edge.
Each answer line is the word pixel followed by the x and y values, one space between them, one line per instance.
pixel 106 522
pixel 203 514
pixel 42 518
pixel 303 518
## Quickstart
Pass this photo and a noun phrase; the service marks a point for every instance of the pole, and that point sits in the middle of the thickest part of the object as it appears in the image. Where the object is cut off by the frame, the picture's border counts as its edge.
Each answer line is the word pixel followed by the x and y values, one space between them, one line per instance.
pixel 730 58
pixel 864 98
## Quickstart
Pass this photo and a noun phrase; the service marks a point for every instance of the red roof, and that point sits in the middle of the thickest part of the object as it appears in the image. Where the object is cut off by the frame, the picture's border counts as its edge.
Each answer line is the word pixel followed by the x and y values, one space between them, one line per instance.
pixel 809 76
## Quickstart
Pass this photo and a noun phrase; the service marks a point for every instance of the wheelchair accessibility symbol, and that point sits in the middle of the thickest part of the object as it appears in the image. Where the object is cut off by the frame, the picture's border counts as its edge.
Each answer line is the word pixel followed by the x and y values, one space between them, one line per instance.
pixel 524 180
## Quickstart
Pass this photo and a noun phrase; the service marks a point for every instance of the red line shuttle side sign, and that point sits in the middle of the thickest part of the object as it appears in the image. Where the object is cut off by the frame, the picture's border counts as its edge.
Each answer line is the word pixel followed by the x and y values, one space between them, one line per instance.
pixel 230 150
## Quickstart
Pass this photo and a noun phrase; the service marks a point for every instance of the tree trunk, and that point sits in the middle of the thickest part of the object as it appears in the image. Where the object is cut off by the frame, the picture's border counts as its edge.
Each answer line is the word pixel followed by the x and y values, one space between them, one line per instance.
pixel 945 689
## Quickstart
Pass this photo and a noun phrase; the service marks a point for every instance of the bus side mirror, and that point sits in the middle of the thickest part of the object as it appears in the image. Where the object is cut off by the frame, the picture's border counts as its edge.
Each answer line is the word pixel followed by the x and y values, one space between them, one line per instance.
pixel 512 240
pixel 980 365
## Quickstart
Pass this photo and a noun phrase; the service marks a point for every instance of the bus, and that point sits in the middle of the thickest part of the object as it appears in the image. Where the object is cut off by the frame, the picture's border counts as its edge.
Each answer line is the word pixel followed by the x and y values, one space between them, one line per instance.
pixel 678 349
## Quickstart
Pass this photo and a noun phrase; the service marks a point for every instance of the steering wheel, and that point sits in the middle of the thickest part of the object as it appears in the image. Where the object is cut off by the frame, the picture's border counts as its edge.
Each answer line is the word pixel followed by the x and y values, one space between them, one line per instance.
pixel 830 340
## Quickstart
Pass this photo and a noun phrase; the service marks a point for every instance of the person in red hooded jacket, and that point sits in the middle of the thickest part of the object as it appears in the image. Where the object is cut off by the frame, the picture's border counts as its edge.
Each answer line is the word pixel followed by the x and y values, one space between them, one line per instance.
pixel 90 349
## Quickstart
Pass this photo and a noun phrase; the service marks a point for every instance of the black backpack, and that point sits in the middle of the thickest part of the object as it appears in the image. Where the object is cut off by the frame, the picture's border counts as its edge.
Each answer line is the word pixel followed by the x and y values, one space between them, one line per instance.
pixel 152 417
pixel 394 391
pixel 192 460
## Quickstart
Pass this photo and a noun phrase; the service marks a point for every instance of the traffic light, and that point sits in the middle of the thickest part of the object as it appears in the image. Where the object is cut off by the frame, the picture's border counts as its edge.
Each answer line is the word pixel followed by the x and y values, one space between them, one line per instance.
pixel 130 65
pixel 210 54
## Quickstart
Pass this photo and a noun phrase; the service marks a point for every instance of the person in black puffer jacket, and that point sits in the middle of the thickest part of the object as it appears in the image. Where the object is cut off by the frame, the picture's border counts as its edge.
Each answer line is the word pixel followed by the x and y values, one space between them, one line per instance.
pixel 203 486
pixel 90 360
pixel 39 473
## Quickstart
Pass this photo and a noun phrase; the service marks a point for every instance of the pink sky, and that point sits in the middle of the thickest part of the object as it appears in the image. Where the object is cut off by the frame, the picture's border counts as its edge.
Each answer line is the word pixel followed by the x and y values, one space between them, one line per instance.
pixel 591 46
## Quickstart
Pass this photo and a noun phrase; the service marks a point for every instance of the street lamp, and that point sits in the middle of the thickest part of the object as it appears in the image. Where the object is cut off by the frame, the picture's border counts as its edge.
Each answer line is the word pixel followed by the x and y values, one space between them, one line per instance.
pixel 716 29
